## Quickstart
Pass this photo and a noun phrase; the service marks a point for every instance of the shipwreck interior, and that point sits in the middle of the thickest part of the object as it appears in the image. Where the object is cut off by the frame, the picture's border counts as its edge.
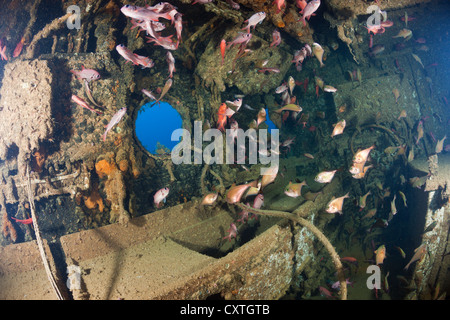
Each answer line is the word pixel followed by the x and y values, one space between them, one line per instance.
pixel 80 217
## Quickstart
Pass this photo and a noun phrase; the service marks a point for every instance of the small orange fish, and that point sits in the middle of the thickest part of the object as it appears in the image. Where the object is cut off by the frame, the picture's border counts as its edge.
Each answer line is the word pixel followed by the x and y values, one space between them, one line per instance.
pixel 222 117
pixel 370 213
pixel 235 193
pixel 396 94
pixel 361 174
pixel 294 190
pixel 290 107
pixel 402 114
pixel 440 145
pixel 338 128
pixel 335 205
pixel 361 156
pixel 18 48
pixel 261 116
pixel 269 176
pixel 342 108
pixel 419 253
pixel 380 254
pixel 223 45
pixel 209 199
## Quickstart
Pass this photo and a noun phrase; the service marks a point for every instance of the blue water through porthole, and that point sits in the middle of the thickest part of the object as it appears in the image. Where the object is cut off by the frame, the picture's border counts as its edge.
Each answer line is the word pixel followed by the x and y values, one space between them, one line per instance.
pixel 154 126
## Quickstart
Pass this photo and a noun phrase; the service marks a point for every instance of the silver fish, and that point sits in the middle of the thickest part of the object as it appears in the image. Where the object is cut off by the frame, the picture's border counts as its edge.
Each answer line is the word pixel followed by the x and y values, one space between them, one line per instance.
pixel 114 120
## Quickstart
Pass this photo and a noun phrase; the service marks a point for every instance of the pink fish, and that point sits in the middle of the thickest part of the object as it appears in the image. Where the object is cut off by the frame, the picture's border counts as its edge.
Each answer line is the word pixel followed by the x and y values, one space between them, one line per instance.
pixel 140 13
pixel 254 20
pixel 145 62
pixel 126 53
pixel 309 10
pixel 243 216
pixel 299 56
pixel 387 24
pixel 86 74
pixel 3 52
pixel 114 120
pixel 165 42
pixel 280 4
pixel 301 4
pixel 232 232
pixel 375 29
pixel 171 62
pixel 202 1
pixel 325 292
pixel 276 38
pixel 281 88
pixel 178 25
pixel 83 104
pixel 337 284
pixel 160 196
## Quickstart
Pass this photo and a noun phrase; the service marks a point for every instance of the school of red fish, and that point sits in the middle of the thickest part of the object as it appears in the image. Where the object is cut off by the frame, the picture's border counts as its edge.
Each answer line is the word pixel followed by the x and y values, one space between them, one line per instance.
pixel 147 19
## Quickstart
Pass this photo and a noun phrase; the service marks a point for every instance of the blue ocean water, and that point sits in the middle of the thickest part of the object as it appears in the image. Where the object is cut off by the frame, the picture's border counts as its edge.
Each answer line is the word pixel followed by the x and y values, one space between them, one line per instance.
pixel 155 123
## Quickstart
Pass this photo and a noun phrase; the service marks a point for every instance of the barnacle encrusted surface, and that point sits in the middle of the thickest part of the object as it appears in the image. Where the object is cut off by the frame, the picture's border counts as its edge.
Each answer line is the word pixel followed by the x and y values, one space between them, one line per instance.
pixel 25 108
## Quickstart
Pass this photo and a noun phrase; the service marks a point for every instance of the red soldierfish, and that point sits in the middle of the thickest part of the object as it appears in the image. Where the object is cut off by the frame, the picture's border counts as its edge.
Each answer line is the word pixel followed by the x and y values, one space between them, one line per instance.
pixel 84 104
pixel 145 62
pixel 126 53
pixel 171 62
pixel 2 52
pixel 223 45
pixel 165 42
pixel 114 120
pixel 26 221
pixel 301 4
pixel 86 74
pixel 254 20
pixel 160 196
pixel 18 48
pixel 309 10
pixel 140 13
pixel 280 4
pixel 178 25
pixel 276 38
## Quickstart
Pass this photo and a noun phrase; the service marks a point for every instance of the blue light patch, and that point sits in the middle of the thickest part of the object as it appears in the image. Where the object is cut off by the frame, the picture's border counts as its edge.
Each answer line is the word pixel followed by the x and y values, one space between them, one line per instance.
pixel 155 124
